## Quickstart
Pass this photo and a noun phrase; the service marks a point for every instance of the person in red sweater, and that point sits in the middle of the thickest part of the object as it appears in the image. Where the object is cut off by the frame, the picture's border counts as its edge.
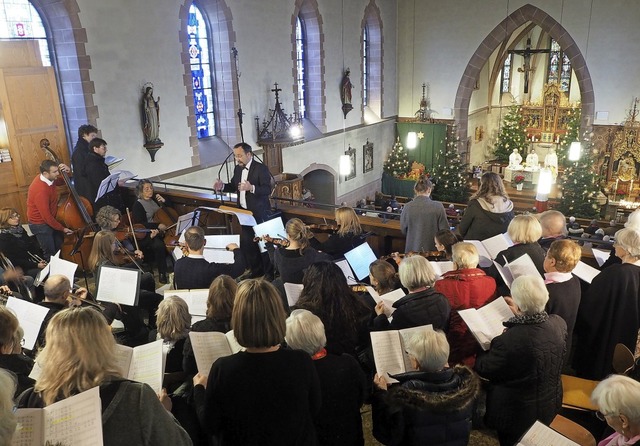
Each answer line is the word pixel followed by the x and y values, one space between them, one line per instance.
pixel 465 287
pixel 42 204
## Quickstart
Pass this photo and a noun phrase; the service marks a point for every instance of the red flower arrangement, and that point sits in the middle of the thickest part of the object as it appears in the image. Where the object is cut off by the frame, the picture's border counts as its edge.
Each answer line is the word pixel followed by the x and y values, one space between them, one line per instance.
pixel 518 179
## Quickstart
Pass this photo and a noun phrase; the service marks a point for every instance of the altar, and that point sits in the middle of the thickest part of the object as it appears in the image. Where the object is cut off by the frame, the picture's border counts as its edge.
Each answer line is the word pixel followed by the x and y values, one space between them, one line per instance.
pixel 529 174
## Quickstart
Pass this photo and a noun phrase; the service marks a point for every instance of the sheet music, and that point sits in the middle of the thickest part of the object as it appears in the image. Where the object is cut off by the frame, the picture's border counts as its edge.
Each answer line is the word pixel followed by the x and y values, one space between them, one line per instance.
pixel 541 435
pixel 441 268
pixel 346 270
pixel 215 249
pixel 233 342
pixel 486 323
pixel 274 228
pixel 30 316
pixel 123 359
pixel 125 175
pixel 76 420
pixel 360 258
pixel 494 245
pixel 245 217
pixel 373 293
pixel 485 260
pixel 62 267
pixel 184 221
pixel 196 299
pixel 388 354
pixel 147 365
pixel 118 285
pixel 208 347
pixel 600 256
pixel 405 334
pixel 504 273
pixel 585 272
pixel 293 291
pixel 107 185
pixel 30 428
pixel 42 275
pixel 390 298
pixel 523 266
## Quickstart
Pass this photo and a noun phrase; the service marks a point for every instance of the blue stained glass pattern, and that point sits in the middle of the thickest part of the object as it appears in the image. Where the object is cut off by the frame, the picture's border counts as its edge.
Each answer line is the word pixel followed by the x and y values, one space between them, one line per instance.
pixel 200 73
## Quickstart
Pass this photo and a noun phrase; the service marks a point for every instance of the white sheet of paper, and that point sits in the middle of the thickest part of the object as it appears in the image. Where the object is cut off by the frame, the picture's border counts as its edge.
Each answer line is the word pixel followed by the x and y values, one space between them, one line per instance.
pixel 30 316
pixel 245 218
pixel 359 259
pixel 486 322
pixel 125 175
pixel 523 266
pixel 585 272
pixel 186 220
pixel 215 248
pixel 389 299
pixel 541 435
pixel 147 365
pixel 75 420
pixel 600 256
pixel 441 268
pixel 293 291
pixel 504 273
pixel 485 259
pixel 118 285
pixel 196 299
pixel 274 228
pixel 63 267
pixel 494 245
pixel 346 270
pixel 373 293
pixel 207 347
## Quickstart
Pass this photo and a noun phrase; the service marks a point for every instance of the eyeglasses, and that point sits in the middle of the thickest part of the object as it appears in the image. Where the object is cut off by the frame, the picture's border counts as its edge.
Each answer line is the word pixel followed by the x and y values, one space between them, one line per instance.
pixel 601 416
pixel 14 216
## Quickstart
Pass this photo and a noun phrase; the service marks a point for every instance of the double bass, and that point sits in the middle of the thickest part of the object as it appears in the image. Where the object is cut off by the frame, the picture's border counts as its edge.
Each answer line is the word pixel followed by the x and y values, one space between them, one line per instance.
pixel 74 212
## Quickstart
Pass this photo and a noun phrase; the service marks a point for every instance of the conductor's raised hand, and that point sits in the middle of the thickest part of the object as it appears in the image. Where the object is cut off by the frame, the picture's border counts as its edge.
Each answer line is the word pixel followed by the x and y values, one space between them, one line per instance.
pixel 218 185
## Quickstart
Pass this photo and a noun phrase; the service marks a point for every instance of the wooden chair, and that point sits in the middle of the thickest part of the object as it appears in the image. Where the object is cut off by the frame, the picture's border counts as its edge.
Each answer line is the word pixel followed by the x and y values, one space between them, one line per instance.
pixel 573 431
pixel 623 359
pixel 577 393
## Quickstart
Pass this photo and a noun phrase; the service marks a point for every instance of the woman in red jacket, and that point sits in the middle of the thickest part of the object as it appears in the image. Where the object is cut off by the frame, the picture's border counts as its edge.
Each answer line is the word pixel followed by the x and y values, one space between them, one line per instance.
pixel 465 287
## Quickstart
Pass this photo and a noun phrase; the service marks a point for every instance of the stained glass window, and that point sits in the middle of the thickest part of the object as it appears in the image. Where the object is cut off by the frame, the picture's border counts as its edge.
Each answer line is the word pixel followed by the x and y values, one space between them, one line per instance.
pixel 559 67
pixel 20 20
pixel 365 66
pixel 301 69
pixel 505 80
pixel 199 58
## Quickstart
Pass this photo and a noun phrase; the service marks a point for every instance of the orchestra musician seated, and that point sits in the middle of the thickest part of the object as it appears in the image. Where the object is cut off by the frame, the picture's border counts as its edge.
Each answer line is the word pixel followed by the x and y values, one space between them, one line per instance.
pixel 11 356
pixel 348 235
pixel 193 271
pixel 444 240
pixel 143 212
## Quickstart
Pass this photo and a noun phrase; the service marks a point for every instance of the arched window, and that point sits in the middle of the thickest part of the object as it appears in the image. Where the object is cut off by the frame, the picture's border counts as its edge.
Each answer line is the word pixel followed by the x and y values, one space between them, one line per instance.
pixel 200 60
pixel 372 60
pixel 505 78
pixel 559 67
pixel 20 20
pixel 301 72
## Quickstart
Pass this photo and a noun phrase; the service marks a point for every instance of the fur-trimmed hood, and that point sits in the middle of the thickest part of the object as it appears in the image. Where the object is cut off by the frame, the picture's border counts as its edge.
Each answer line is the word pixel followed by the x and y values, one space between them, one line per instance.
pixel 448 390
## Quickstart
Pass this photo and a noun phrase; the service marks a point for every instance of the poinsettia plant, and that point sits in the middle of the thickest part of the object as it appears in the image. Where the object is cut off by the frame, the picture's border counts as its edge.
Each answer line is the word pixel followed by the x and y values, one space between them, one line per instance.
pixel 518 179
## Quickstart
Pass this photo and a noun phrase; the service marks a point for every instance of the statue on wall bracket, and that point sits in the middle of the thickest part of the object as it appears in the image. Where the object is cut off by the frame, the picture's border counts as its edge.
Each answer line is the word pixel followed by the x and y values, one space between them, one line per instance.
pixel 150 110
pixel 345 93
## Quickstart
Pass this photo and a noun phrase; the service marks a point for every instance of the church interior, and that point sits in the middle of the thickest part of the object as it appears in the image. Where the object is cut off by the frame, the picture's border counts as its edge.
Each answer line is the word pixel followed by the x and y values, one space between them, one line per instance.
pixel 330 94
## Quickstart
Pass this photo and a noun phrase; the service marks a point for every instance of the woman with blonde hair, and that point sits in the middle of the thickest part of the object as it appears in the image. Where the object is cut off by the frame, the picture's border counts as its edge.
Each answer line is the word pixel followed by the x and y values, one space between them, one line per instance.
pixel 132 413
pixel 422 306
pixel 524 231
pixel 265 394
pixel 422 218
pixel 292 261
pixel 222 293
pixel 489 210
pixel 348 236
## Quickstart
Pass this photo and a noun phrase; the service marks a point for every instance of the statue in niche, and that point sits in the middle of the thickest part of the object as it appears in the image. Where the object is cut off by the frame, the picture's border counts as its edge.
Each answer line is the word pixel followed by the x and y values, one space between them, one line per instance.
pixel 627 169
pixel 151 117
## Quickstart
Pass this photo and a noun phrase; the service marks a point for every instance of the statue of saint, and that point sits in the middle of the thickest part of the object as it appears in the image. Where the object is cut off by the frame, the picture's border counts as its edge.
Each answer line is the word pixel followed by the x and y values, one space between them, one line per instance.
pixel 532 159
pixel 627 168
pixel 515 159
pixel 151 117
pixel 345 88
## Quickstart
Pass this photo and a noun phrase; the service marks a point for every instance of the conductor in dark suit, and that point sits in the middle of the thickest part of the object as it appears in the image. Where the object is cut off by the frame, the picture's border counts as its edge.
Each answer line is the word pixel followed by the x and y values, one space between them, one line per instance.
pixel 252 181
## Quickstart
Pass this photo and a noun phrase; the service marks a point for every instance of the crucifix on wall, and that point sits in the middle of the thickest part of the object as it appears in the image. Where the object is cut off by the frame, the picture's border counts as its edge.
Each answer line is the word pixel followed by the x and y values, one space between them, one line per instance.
pixel 526 54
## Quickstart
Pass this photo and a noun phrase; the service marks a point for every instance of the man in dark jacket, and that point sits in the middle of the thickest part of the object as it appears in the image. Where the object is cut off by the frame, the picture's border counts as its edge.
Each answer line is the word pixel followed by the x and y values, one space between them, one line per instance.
pixel 97 170
pixel 79 158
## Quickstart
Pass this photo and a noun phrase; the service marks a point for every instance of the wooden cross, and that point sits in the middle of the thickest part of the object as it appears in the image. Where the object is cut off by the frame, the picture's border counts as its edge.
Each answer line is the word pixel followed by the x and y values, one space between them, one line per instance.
pixel 526 53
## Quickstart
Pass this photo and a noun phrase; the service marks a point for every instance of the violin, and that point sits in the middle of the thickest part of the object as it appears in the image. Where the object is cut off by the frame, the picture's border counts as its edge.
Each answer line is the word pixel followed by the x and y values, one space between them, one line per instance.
pixel 429 255
pixel 124 231
pixel 325 228
pixel 358 288
pixel 276 241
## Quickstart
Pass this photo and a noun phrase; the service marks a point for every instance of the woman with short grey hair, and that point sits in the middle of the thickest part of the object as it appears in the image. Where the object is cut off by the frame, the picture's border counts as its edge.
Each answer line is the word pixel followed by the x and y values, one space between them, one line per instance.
pixel 432 403
pixel 618 401
pixel 342 381
pixel 523 364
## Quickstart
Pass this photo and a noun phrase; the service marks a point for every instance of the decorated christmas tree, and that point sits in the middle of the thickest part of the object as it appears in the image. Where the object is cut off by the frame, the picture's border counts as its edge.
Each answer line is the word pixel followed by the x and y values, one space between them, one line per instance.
pixel 397 164
pixel 573 130
pixel 580 186
pixel 512 135
pixel 450 178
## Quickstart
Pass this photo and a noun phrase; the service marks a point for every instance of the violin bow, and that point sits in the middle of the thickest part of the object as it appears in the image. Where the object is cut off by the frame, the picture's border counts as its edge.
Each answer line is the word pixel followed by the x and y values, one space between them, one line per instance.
pixel 135 241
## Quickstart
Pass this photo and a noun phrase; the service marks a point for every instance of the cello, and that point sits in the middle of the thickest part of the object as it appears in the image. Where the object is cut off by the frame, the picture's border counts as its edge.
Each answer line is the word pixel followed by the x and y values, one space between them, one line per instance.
pixel 74 212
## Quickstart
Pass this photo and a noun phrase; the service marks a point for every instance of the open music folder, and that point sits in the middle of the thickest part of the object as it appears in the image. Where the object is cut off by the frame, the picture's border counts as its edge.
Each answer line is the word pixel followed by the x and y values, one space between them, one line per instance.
pixel 144 363
pixel 389 352
pixel 208 346
pixel 486 322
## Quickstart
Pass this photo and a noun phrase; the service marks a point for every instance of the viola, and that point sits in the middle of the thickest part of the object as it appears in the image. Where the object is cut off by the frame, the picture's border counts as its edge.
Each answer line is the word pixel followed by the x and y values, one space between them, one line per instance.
pixel 429 255
pixel 124 231
pixel 276 241
pixel 326 228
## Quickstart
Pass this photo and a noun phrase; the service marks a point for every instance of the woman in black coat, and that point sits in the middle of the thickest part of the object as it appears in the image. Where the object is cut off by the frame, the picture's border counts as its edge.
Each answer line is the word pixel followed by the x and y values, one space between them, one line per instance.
pixel 524 231
pixel 422 306
pixel 524 364
pixel 431 405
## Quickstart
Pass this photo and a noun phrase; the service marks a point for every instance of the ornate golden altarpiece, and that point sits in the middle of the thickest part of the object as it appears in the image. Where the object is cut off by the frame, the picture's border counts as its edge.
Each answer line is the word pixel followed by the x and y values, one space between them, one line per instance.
pixel 547 121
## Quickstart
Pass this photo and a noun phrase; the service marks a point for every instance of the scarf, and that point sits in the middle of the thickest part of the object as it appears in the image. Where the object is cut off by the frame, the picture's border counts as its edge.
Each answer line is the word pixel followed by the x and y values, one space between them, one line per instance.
pixel 16 231
pixel 527 319
pixel 617 439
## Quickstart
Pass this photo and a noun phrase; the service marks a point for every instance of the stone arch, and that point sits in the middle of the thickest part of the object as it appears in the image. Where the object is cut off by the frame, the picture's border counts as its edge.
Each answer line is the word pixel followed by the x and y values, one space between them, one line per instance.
pixel 373 21
pixel 67 39
pixel 482 54
pixel 310 13
pixel 321 179
pixel 221 39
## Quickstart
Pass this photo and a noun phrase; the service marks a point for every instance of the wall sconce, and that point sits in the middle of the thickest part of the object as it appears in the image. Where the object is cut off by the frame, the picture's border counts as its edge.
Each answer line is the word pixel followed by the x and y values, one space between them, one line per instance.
pixel 345 165
pixel 574 151
pixel 412 140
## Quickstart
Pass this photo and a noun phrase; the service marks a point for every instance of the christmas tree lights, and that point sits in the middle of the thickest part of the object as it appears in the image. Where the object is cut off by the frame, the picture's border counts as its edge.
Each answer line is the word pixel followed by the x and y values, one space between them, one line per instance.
pixel 451 179
pixel 580 186
pixel 512 135
pixel 397 164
